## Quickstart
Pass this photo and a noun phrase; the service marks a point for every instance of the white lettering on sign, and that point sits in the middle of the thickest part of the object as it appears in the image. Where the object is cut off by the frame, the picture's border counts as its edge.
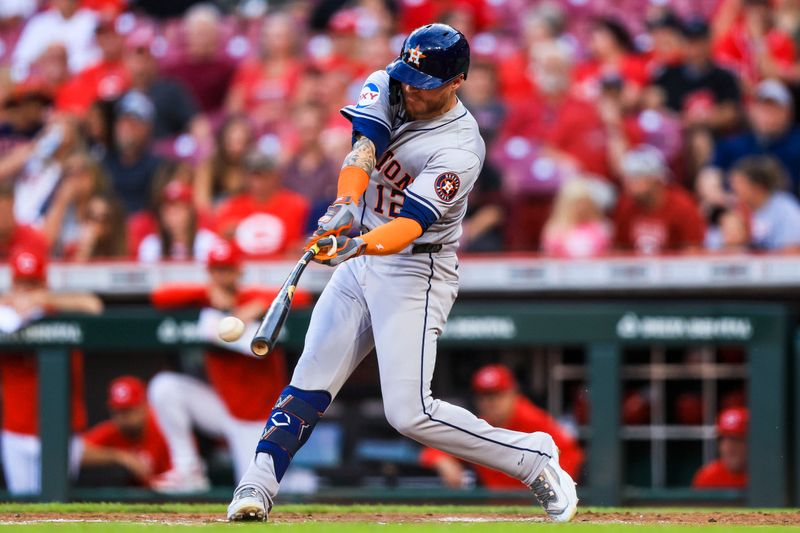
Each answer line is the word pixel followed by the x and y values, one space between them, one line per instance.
pixel 632 326
pixel 46 333
pixel 480 327
pixel 170 331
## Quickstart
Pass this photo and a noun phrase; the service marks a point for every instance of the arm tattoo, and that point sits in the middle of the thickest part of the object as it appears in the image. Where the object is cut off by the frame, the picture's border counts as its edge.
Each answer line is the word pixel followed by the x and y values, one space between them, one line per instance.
pixel 362 155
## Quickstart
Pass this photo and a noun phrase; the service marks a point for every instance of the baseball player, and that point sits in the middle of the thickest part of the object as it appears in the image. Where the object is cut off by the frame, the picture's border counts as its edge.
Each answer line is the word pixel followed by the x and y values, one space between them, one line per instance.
pixel 416 154
pixel 239 388
pixel 29 299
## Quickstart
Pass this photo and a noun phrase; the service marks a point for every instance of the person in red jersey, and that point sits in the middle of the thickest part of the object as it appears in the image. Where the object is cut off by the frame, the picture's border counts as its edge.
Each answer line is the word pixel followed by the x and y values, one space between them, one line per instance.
pixel 749 41
pixel 654 216
pixel 267 219
pixel 28 300
pixel 106 79
pixel 500 403
pixel 131 438
pixel 730 470
pixel 239 388
pixel 262 87
pixel 612 53
pixel 12 234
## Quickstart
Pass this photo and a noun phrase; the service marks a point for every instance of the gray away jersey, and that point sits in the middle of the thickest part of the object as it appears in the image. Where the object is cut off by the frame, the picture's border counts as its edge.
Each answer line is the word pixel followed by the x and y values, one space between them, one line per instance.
pixel 425 168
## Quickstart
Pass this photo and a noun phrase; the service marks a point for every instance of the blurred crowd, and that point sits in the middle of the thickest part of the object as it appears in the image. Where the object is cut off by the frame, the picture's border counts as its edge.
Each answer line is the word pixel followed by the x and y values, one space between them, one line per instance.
pixel 146 130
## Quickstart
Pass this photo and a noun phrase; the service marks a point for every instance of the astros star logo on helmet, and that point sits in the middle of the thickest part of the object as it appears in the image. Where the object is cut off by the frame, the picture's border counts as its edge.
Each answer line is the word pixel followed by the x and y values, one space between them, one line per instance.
pixel 414 55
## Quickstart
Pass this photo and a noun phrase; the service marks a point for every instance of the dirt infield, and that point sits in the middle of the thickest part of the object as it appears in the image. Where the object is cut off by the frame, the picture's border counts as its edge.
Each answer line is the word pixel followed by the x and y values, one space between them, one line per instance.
pixel 745 518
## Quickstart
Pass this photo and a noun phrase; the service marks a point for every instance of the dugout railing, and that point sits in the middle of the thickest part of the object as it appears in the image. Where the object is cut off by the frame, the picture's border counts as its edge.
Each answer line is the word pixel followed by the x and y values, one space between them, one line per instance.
pixel 603 329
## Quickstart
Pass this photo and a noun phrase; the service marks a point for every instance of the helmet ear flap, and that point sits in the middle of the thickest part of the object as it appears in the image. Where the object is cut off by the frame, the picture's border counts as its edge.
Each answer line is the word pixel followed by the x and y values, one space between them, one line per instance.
pixel 395 94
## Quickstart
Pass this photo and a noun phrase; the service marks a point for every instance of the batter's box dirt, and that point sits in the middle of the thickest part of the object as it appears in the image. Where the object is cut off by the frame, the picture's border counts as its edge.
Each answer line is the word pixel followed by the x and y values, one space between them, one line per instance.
pixel 747 518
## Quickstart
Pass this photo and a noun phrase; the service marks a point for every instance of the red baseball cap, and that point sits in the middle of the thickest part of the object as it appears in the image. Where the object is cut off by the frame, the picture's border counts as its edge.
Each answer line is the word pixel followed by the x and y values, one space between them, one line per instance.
pixel 733 422
pixel 28 264
pixel 493 378
pixel 177 191
pixel 126 392
pixel 224 254
pixel 344 22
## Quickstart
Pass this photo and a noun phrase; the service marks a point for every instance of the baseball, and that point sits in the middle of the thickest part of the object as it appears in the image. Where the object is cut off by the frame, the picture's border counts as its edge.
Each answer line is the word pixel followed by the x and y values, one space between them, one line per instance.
pixel 230 329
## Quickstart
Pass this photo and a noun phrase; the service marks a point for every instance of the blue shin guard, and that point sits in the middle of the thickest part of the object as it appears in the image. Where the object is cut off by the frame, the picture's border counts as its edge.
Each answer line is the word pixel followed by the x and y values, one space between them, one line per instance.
pixel 290 425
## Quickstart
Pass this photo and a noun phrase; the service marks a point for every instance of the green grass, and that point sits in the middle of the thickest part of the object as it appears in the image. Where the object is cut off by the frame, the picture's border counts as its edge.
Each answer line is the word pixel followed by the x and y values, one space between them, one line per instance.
pixel 133 511
pixel 388 528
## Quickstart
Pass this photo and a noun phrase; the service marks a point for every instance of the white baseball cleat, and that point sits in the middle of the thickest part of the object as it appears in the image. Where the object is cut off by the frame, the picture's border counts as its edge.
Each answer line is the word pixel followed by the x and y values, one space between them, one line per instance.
pixel 249 504
pixel 555 491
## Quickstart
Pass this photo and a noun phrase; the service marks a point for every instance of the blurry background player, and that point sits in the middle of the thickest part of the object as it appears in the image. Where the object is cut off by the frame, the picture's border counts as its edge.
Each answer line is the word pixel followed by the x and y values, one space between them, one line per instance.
pixel 129 448
pixel 730 470
pixel 28 300
pixel 239 388
pixel 499 402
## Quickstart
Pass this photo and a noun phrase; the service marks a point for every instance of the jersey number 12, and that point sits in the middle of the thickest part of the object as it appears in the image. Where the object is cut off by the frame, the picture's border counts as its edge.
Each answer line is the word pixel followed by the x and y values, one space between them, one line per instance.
pixel 394 204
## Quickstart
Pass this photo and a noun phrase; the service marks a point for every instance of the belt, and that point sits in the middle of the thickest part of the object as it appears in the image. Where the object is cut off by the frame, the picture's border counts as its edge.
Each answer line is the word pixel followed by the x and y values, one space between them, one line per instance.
pixel 425 248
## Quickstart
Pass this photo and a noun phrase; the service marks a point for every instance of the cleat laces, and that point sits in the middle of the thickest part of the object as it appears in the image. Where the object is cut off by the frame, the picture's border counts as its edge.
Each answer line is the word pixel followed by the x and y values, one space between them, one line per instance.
pixel 542 490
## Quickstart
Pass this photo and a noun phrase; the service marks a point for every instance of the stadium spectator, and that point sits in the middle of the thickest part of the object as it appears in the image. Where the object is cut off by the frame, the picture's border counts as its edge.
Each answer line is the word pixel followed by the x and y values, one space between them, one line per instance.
pixel 28 300
pixel 101 234
pixel 106 79
pixel 577 226
pixel 24 117
pixel 772 132
pixel 265 220
pixel 174 107
pixel 787 19
pixel 132 164
pixel 129 447
pixel 82 179
pixel 612 53
pixel 36 167
pixel 728 229
pixel 201 68
pixel 500 403
pixel 705 94
pixel 63 22
pixel 747 40
pixel 13 234
pixel 345 59
pixel 665 31
pixel 12 12
pixel 240 389
pixel 654 216
pixel 757 183
pixel 730 470
pixel 98 128
pixel 179 236
pixel 223 175
pixel 481 97
pixel 51 70
pixel 483 226
pixel 542 25
pixel 310 170
pixel 557 113
pixel 263 86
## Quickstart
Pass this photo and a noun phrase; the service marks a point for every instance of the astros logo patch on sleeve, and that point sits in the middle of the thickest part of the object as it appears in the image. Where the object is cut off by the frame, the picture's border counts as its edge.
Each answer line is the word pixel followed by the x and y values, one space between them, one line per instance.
pixel 447 185
pixel 369 95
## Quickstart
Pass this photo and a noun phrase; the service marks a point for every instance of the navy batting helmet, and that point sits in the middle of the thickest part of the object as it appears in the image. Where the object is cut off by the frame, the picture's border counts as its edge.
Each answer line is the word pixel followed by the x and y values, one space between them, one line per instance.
pixel 432 56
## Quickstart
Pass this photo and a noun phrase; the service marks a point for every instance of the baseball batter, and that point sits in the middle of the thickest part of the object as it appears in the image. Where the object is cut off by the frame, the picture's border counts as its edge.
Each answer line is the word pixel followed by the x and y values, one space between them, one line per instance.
pixel 416 155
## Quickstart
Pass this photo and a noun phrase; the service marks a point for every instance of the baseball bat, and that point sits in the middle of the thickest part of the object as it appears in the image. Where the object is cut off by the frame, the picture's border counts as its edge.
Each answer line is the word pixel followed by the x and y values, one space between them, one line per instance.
pixel 270 328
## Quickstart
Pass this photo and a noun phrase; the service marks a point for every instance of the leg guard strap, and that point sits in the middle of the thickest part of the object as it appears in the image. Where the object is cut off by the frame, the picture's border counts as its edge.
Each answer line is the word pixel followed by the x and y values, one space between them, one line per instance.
pixel 290 425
